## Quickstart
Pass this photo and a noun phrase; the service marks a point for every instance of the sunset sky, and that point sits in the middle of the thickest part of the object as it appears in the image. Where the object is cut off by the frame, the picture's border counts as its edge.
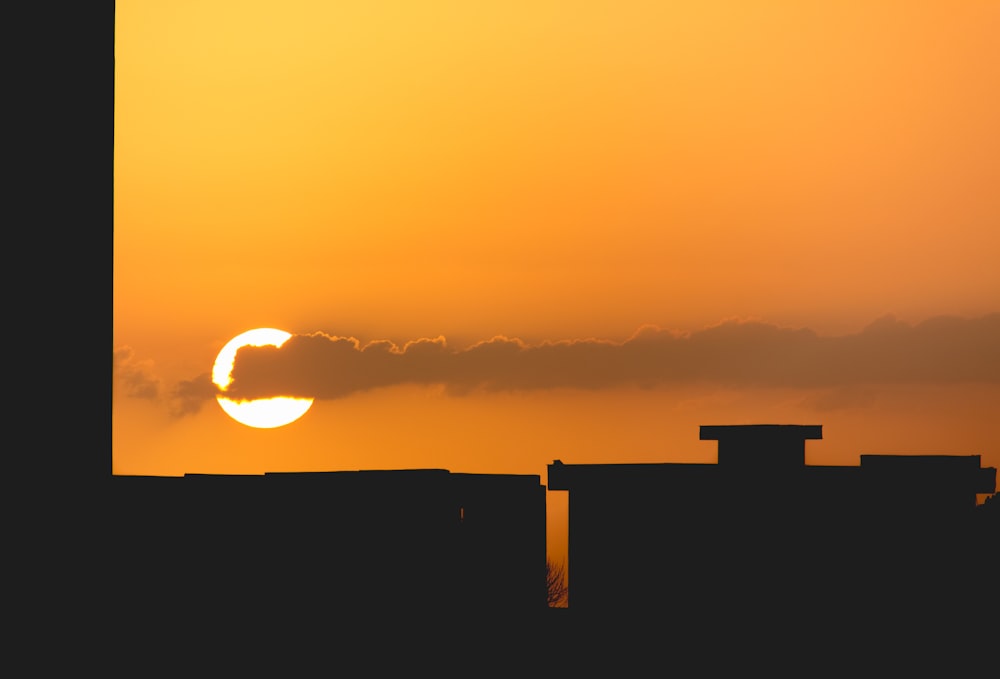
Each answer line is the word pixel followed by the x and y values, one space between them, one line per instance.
pixel 611 221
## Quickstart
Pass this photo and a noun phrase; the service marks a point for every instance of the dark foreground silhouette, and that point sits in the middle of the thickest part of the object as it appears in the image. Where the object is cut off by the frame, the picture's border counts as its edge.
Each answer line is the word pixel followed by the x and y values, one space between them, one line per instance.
pixel 892 557
pixel 760 555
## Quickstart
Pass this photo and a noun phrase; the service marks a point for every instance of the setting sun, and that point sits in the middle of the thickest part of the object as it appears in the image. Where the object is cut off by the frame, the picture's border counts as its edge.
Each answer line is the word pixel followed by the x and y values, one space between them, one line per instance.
pixel 263 413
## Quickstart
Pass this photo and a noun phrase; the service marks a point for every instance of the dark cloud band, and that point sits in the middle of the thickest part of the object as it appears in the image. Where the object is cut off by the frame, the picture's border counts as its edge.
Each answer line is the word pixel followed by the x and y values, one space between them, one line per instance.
pixel 734 353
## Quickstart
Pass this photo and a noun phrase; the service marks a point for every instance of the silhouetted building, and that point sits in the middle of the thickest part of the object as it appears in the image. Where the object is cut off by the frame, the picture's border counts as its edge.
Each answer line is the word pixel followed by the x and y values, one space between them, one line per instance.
pixel 330 546
pixel 712 546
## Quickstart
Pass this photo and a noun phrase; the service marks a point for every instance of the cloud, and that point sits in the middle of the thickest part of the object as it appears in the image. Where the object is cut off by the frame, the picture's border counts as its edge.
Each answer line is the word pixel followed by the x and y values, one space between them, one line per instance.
pixel 189 395
pixel 134 378
pixel 137 379
pixel 732 353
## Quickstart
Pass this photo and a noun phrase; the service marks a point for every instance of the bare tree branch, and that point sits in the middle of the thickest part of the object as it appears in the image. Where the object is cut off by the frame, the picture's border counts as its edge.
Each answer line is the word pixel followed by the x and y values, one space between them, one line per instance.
pixel 555 585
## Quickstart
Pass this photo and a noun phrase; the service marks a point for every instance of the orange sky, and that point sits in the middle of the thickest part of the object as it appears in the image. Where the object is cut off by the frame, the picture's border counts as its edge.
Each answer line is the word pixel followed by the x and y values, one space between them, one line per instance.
pixel 398 170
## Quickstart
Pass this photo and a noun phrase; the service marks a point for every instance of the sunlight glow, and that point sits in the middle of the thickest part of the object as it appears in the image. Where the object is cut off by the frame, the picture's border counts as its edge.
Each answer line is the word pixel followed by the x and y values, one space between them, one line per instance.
pixel 266 413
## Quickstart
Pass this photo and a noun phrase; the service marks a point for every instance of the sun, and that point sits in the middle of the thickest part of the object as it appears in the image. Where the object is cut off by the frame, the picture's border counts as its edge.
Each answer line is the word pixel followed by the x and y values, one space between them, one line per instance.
pixel 262 413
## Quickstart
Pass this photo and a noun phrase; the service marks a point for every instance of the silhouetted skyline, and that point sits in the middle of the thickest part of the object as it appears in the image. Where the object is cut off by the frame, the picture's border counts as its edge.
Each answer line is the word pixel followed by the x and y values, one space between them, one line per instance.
pixel 892 547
